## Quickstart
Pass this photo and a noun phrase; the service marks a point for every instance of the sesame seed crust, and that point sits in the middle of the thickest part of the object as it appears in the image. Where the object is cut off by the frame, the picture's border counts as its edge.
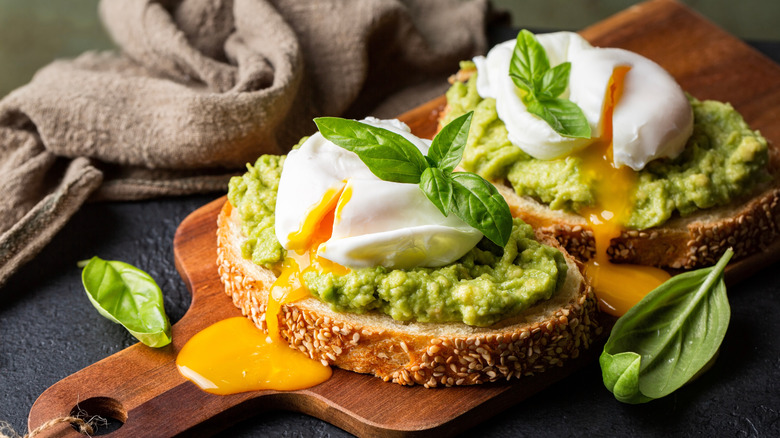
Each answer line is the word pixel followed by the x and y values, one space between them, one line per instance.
pixel 428 354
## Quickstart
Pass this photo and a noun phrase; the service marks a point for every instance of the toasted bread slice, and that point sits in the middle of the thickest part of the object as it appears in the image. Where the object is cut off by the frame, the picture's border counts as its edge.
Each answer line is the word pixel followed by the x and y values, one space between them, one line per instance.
pixel 748 224
pixel 430 354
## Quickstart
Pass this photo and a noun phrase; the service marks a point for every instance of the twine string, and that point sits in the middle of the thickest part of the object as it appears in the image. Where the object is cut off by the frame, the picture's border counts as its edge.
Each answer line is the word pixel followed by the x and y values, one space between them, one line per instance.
pixel 85 427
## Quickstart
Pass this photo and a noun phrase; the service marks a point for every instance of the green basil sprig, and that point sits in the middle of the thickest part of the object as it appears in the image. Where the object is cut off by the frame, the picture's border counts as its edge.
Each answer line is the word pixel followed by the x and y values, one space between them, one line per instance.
pixel 128 296
pixel 393 158
pixel 541 85
pixel 665 339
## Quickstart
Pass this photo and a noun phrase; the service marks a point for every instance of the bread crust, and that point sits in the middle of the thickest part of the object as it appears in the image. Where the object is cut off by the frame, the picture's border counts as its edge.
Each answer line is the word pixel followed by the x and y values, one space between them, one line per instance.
pixel 429 354
pixel 748 224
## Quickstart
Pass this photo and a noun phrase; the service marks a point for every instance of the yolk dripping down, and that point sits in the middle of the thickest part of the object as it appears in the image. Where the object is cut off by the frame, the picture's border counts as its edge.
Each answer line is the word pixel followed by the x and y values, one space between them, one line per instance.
pixel 233 356
pixel 617 287
pixel 316 229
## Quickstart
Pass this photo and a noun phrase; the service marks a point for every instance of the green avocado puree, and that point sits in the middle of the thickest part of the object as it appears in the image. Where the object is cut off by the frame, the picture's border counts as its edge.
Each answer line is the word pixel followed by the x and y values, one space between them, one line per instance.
pixel 483 287
pixel 254 195
pixel 722 160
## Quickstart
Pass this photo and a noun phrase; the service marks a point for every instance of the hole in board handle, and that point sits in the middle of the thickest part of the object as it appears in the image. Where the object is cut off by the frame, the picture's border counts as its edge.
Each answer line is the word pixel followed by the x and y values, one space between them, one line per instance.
pixel 111 410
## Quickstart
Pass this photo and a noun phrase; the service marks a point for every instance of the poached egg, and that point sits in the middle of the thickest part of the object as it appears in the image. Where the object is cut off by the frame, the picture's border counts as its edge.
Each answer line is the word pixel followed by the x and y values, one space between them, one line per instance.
pixel 362 221
pixel 637 113
pixel 651 118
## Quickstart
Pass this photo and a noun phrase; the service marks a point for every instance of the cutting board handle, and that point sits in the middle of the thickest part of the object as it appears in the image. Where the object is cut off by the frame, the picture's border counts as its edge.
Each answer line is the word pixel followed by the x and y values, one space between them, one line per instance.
pixel 140 388
pixel 142 393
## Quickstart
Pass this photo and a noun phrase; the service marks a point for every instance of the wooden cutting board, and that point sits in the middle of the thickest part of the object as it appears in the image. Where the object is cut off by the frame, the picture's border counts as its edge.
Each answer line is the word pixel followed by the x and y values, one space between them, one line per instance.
pixel 141 387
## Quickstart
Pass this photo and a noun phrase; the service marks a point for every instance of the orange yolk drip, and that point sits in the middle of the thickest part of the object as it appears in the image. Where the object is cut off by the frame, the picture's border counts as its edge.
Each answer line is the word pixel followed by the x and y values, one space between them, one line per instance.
pixel 234 356
pixel 617 287
pixel 316 230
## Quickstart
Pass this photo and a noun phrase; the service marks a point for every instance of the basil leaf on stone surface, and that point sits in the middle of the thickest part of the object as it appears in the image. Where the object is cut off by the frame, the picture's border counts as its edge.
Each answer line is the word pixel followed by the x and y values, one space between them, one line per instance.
pixel 447 147
pixel 621 376
pixel 541 87
pixel 128 296
pixel 388 155
pixel 478 203
pixel 665 339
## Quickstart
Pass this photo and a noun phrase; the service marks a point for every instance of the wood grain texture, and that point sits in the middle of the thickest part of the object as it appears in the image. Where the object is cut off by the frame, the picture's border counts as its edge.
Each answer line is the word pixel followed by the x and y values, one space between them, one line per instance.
pixel 141 385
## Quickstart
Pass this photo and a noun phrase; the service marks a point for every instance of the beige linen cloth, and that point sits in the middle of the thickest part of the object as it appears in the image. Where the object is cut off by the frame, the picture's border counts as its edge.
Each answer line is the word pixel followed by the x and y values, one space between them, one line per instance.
pixel 201 87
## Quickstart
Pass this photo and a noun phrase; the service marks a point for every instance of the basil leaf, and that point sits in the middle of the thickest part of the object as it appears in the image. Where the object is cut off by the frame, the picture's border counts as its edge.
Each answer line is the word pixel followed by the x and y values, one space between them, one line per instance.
pixel 555 80
pixel 522 83
pixel 534 106
pixel 471 198
pixel 438 188
pixel 448 145
pixel 570 116
pixel 529 61
pixel 388 155
pixel 621 376
pixel 675 331
pixel 530 70
pixel 128 296
pixel 478 203
pixel 564 116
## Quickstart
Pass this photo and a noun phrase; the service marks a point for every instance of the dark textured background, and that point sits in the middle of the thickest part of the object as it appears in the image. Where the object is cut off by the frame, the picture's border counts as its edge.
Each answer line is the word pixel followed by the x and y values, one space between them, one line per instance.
pixel 48 330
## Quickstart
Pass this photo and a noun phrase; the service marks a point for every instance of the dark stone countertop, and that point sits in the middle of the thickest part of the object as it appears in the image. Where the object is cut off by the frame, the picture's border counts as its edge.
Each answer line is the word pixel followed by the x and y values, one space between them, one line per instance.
pixel 48 330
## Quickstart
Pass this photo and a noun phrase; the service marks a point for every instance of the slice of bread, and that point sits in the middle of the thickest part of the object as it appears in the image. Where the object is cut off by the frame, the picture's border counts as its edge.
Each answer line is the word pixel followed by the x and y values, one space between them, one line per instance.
pixel 748 225
pixel 430 354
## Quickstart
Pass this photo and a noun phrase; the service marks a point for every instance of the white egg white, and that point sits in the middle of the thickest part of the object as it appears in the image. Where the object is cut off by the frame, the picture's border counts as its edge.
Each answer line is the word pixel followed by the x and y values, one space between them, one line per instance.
pixel 394 225
pixel 525 130
pixel 377 223
pixel 652 118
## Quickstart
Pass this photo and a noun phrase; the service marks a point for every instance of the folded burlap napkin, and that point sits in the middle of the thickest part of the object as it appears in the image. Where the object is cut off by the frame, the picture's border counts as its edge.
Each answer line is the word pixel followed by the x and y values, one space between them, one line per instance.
pixel 201 87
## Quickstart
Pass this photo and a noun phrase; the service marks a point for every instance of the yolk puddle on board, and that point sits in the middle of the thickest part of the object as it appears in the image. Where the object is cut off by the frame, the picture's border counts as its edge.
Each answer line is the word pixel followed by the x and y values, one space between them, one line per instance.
pixel 234 356
pixel 618 286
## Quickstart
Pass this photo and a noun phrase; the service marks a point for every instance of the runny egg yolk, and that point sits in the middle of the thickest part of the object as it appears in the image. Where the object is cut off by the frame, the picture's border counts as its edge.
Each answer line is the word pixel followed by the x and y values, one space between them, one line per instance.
pixel 234 356
pixel 316 229
pixel 617 287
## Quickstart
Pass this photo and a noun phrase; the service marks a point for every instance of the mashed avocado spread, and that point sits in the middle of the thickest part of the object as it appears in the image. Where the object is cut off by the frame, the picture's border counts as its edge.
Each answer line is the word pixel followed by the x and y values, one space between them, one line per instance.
pixel 484 286
pixel 722 160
